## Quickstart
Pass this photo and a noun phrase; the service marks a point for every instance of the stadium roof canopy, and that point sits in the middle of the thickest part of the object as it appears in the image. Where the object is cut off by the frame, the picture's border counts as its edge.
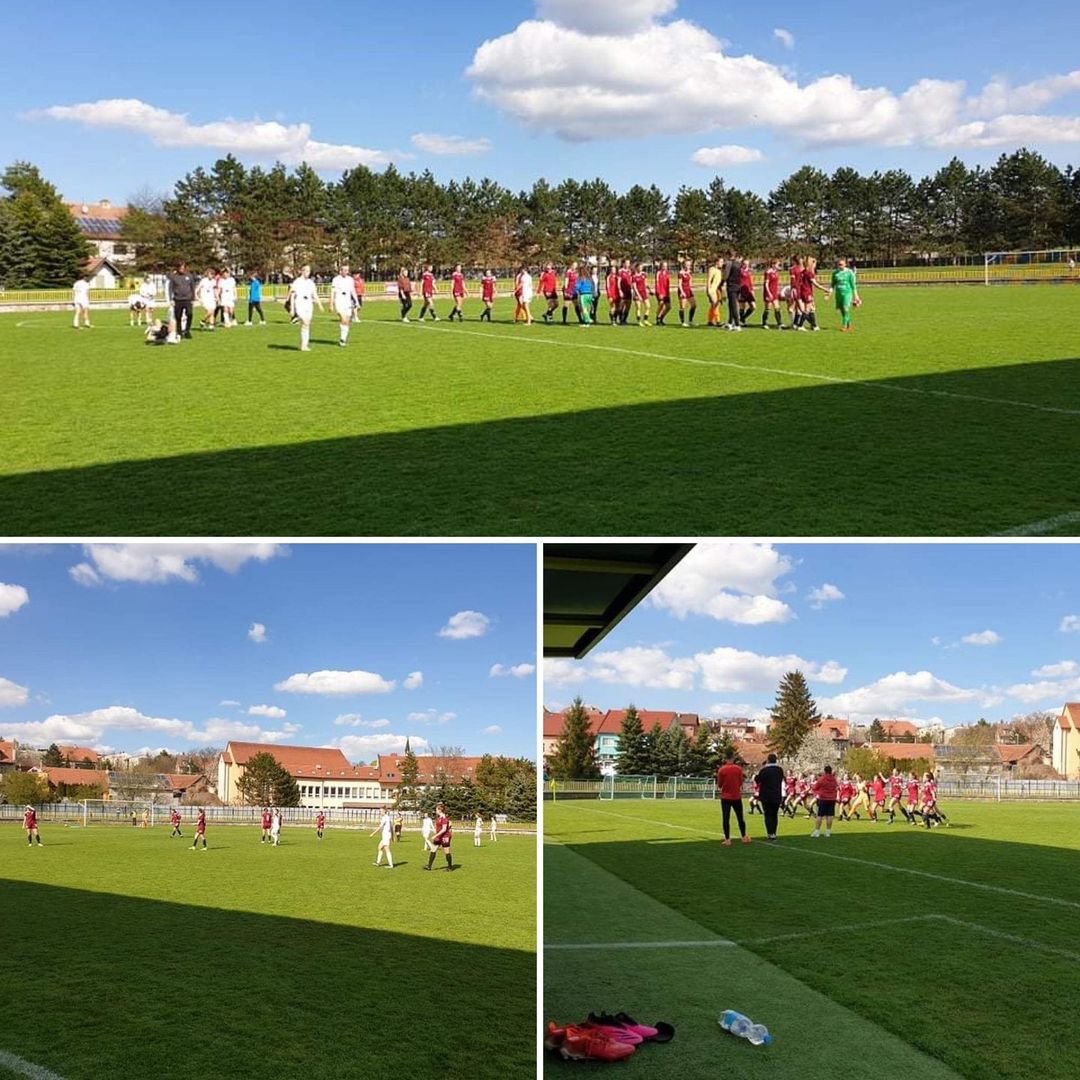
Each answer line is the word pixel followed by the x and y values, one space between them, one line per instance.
pixel 590 588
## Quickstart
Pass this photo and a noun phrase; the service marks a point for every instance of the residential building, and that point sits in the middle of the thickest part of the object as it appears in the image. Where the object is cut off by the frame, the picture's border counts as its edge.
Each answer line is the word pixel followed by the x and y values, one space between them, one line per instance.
pixel 78 755
pixel 90 778
pixel 101 225
pixel 189 789
pixel 553 726
pixel 839 731
pixel 1065 755
pixel 905 751
pixel 7 755
pixel 607 726
pixel 899 729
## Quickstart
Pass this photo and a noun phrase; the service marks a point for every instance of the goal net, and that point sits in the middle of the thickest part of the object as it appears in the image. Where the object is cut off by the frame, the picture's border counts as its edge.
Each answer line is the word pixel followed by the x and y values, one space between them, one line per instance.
pixel 689 787
pixel 135 813
pixel 1018 267
pixel 628 787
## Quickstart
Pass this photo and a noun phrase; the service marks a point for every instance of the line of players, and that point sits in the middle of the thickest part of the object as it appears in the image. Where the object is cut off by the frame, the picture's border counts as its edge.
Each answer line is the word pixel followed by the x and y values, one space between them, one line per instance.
pixel 628 290
pixel 881 797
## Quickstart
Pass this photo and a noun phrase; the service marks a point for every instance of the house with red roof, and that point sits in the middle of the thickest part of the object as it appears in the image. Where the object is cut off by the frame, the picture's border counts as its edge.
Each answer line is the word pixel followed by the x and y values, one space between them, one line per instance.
pixel 101 225
pixel 65 777
pixel 1065 753
pixel 79 755
pixel 606 728
pixel 8 750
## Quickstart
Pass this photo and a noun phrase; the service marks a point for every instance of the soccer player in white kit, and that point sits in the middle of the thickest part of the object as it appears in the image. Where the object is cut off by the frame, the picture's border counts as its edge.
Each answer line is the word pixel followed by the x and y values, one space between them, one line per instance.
pixel 148 292
pixel 478 828
pixel 227 297
pixel 80 298
pixel 492 832
pixel 302 300
pixel 385 829
pixel 343 297
pixel 275 828
pixel 427 828
pixel 207 293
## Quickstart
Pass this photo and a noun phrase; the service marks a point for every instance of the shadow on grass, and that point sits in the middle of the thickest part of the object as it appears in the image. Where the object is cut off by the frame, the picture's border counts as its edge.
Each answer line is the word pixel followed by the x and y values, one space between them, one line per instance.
pixel 837 459
pixel 114 986
pixel 829 912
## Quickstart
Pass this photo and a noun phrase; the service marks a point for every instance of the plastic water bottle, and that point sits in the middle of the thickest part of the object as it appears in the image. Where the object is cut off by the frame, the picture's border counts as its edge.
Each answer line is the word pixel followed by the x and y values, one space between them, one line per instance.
pixel 744 1028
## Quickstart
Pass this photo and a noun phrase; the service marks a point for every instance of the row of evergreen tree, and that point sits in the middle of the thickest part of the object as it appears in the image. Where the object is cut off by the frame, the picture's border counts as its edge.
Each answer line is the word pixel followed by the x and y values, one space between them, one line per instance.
pixel 671 753
pixel 272 219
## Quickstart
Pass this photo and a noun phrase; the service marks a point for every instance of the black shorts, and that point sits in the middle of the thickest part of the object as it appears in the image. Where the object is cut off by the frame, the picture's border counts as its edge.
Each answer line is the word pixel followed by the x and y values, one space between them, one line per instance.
pixel 663 298
pixel 826 808
pixel 624 293
pixel 552 296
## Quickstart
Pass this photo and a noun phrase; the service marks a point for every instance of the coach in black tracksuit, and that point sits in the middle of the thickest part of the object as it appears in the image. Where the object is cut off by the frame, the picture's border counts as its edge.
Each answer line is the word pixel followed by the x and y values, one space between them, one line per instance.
pixel 182 294
pixel 733 281
pixel 770 783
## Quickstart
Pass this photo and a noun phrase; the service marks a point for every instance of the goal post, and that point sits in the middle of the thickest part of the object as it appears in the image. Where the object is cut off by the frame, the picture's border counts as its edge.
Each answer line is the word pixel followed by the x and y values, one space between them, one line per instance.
pixel 1052 265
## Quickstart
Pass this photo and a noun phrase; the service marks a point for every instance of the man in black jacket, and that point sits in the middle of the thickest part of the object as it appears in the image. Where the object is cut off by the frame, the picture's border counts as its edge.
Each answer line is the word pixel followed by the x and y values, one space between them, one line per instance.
pixel 182 294
pixel 770 782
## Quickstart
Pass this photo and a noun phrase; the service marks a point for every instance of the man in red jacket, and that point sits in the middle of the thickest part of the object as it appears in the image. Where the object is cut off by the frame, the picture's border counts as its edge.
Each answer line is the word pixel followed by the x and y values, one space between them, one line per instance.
pixel 729 781
pixel 825 788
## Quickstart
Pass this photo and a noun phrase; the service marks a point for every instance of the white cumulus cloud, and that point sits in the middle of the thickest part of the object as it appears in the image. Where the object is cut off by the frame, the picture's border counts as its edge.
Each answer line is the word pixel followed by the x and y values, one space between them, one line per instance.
pixel 982 637
pixel 728 670
pixel 450 145
pixel 413 680
pixel 545 75
pixel 157 564
pixel 785 37
pixel 720 157
pixel 1056 671
pixel 898 692
pixel 493 729
pixel 822 595
pixel 266 139
pixel 1070 624
pixel 365 748
pixel 356 720
pixel 274 712
pixel 12 597
pixel 257 633
pixel 12 694
pixel 465 624
pixel 730 582
pixel 431 716
pixel 335 683
pixel 517 671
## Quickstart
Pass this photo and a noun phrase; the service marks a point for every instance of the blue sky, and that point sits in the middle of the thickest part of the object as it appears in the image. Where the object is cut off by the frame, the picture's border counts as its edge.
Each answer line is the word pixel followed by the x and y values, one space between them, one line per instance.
pixel 133 646
pixel 927 632
pixel 123 97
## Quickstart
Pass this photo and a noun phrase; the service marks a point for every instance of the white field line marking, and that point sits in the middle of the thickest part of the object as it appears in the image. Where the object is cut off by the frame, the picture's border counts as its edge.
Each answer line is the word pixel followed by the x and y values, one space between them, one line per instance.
pixel 713 943
pixel 1047 525
pixel 862 862
pixel 760 369
pixel 835 930
pixel 26 1068
pixel 1015 938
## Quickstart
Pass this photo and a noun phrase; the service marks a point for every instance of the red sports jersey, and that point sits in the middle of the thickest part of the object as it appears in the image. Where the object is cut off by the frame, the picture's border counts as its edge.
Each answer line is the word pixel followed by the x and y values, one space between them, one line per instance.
pixel 789 785
pixel 320 820
pixel 443 832
pixel 913 791
pixel 641 286
pixel 174 817
pixel 825 787
pixel 548 282
pixel 404 286
pixel 663 284
pixel 358 282
pixel 457 284
pixel 625 279
pixel 847 789
pixel 755 787
pixel 266 821
pixel 487 288
pixel 686 284
pixel 200 825
pixel 806 285
pixel 801 786
pixel 30 819
pixel 929 794
pixel 427 283
pixel 771 288
pixel 569 285
pixel 729 779
pixel 746 279
pixel 795 274
pixel 518 287
pixel 879 791
pixel 612 285
pixel 896 787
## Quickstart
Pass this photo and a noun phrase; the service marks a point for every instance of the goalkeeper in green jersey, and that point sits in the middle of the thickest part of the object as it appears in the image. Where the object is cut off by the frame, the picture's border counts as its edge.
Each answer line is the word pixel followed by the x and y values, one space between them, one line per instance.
pixel 846 292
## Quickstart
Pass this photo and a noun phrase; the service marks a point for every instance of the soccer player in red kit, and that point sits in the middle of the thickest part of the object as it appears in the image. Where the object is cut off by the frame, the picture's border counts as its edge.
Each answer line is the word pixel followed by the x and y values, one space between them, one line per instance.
pixel 879 795
pixel 29 822
pixel 427 294
pixel 847 792
pixel 729 781
pixel 626 291
pixel 612 289
pixel 549 290
pixel 267 821
pixel 641 296
pixel 358 283
pixel 896 794
pixel 790 784
pixel 200 830
pixel 174 820
pixel 687 301
pixel 459 292
pixel 755 794
pixel 487 294
pixel 404 292
pixel 569 291
pixel 770 295
pixel 444 833
pixel 931 812
pixel 747 303
pixel 912 798
pixel 320 824
pixel 663 293
pixel 825 789
pixel 807 284
pixel 795 273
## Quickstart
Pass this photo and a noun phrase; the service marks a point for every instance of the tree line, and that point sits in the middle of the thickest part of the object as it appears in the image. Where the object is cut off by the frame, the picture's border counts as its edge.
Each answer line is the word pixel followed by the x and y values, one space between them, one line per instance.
pixel 275 220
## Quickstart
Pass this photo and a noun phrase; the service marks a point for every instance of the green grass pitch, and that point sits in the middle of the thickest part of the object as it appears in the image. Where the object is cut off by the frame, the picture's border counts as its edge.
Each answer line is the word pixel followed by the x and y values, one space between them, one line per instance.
pixel 950 411
pixel 127 955
pixel 882 951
